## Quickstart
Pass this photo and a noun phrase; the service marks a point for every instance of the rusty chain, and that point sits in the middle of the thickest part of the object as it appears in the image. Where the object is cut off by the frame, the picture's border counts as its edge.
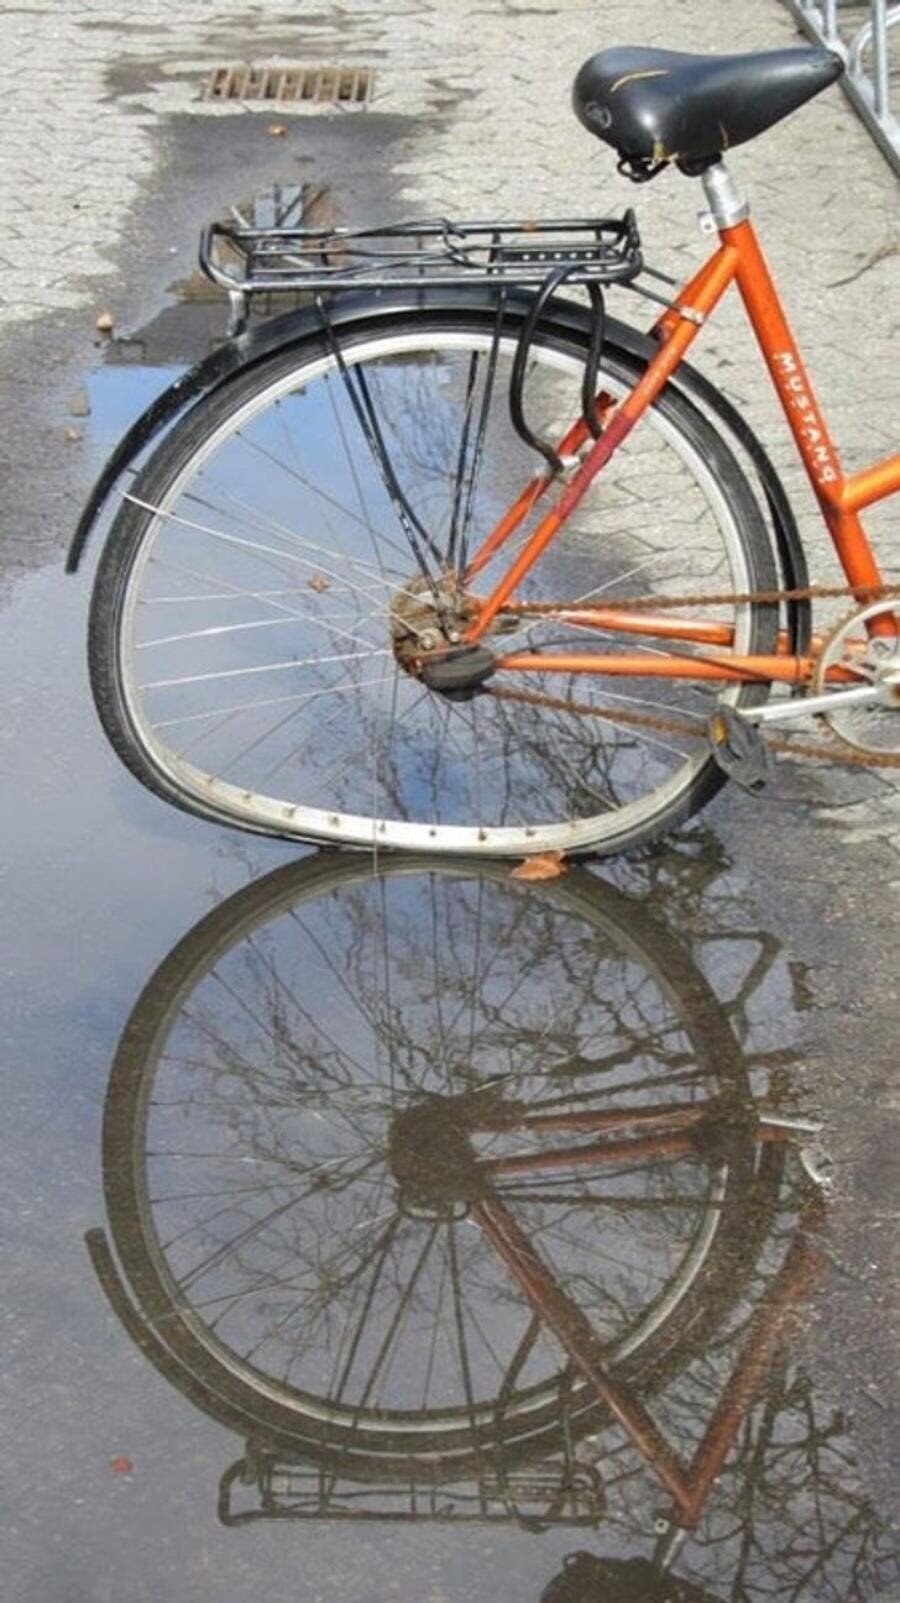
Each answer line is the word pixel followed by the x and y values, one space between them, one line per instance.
pixel 863 594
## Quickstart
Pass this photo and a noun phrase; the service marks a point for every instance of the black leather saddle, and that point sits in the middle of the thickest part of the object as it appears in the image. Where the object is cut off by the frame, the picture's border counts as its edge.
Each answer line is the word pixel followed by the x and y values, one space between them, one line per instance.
pixel 656 106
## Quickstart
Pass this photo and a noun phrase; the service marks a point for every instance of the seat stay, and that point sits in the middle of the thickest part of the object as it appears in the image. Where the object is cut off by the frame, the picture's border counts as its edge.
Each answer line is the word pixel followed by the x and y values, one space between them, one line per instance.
pixel 739 259
pixel 721 271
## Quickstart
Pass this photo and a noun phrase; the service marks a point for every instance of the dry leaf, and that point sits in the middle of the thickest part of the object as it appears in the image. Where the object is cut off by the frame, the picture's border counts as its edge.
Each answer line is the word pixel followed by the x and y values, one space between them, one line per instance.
pixel 71 435
pixel 317 582
pixel 546 865
pixel 277 130
pixel 105 322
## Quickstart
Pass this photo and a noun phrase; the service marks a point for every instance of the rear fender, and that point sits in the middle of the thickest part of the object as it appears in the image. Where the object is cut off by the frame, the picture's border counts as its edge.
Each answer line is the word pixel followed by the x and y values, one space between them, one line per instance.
pixel 293 327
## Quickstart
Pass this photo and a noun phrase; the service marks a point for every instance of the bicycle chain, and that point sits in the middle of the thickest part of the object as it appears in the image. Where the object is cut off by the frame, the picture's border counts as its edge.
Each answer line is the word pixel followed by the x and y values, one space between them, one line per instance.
pixel 835 752
pixel 863 594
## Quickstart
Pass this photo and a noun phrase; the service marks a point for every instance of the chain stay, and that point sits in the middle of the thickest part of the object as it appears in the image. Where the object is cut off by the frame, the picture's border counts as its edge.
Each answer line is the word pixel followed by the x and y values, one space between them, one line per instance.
pixel 835 751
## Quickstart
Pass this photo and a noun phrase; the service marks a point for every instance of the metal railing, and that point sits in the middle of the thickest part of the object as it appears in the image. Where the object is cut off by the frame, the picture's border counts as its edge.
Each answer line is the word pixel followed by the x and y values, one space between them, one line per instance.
pixel 865 47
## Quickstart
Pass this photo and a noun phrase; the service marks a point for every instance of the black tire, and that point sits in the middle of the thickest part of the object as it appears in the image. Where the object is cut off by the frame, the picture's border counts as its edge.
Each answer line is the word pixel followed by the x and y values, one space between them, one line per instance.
pixel 744 1211
pixel 134 524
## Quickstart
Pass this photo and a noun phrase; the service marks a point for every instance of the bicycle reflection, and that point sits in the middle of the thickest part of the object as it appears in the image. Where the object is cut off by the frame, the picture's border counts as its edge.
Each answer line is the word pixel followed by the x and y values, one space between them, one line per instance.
pixel 459 1200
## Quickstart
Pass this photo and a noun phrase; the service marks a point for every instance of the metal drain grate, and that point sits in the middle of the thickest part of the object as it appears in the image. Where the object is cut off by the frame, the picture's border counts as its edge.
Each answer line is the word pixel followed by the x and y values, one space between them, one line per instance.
pixel 320 86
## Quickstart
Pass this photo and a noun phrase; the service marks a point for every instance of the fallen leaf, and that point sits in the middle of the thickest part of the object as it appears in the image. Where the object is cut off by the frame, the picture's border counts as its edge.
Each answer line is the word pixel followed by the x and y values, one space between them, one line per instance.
pixel 105 322
pixel 120 1465
pixel 317 582
pixel 277 130
pixel 545 865
pixel 71 435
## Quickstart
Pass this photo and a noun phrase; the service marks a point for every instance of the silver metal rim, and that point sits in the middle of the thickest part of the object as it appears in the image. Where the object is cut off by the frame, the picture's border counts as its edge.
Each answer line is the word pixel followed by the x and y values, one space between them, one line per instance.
pixel 258 811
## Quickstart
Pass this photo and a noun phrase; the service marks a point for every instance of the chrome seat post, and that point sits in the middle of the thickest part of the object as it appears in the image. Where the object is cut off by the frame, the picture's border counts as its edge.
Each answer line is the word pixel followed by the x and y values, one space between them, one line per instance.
pixel 726 200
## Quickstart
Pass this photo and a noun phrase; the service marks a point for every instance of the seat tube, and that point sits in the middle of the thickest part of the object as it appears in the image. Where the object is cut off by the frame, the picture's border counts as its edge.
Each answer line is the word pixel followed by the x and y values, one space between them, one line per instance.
pixel 793 386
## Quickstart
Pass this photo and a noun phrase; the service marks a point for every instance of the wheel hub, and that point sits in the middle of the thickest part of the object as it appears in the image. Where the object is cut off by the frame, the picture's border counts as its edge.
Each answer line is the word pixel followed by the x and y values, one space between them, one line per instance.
pixel 429 619
pixel 428 615
pixel 432 1159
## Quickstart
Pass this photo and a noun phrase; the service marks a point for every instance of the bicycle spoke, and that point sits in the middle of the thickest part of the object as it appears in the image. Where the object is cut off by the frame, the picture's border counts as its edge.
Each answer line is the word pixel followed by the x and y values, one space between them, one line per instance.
pixel 381 1258
pixel 398 1320
pixel 316 489
pixel 459 476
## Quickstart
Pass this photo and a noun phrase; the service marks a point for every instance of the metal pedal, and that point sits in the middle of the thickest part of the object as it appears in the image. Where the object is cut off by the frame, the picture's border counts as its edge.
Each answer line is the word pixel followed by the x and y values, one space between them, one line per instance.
pixel 739 750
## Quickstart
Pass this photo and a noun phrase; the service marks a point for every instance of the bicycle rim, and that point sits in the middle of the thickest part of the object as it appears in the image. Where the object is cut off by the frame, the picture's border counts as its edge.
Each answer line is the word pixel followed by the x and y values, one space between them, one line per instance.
pixel 257 622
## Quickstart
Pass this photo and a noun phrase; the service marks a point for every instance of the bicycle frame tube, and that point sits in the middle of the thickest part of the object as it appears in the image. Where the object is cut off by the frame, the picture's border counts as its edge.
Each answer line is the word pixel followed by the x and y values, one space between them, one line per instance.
pixel 840 498
pixel 739 259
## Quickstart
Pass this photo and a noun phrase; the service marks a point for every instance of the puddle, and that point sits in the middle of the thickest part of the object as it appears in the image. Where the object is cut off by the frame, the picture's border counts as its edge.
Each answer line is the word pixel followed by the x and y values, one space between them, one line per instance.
pixel 460 1206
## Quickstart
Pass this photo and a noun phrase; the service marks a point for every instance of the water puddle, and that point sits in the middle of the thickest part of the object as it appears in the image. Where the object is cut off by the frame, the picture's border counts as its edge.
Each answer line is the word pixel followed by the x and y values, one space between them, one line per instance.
pixel 478 1219
pixel 138 365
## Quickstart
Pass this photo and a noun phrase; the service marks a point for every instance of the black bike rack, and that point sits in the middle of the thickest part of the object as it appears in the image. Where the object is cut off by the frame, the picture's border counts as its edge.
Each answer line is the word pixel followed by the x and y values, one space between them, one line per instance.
pixel 567 252
pixel 246 261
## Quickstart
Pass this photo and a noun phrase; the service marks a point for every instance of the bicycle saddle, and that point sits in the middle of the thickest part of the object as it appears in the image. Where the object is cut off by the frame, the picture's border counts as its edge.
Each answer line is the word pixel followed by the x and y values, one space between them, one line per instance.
pixel 656 106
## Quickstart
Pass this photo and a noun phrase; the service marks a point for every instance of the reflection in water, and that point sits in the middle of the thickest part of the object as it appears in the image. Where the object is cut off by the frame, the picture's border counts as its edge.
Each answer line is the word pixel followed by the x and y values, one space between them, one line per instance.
pixel 458 1199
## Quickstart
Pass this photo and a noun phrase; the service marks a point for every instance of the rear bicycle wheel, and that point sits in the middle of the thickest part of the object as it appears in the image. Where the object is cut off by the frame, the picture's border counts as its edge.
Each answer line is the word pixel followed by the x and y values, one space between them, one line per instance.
pixel 259 584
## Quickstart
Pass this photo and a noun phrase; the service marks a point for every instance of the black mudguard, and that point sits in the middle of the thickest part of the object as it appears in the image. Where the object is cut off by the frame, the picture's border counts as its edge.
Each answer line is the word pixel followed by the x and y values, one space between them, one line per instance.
pixel 293 327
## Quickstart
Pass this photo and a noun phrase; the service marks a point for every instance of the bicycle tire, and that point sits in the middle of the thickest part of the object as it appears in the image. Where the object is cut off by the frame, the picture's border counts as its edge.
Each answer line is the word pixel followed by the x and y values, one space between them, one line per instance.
pixel 556 764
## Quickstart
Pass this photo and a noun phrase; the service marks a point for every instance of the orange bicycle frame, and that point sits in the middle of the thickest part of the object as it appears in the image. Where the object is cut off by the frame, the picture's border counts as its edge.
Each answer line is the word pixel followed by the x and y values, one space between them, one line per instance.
pixel 739 260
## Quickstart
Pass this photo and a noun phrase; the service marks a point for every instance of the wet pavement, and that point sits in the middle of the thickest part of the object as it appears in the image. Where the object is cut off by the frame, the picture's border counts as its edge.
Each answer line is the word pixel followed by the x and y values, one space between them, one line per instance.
pixel 260 1334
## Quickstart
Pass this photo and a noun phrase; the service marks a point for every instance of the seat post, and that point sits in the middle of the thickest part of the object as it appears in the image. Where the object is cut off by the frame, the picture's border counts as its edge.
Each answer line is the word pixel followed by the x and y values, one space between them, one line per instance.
pixel 726 200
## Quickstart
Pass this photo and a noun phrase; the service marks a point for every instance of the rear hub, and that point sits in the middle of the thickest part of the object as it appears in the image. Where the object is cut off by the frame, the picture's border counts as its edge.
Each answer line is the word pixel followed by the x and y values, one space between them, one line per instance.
pixel 429 620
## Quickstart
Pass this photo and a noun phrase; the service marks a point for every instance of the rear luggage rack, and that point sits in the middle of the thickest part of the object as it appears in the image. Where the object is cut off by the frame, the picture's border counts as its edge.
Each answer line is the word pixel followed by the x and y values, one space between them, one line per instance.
pixel 561 253
pixel 248 261
pixel 556 1492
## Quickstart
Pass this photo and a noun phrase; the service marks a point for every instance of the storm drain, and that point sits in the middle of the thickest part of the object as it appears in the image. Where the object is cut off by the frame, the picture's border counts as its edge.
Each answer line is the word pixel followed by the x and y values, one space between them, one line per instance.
pixel 319 86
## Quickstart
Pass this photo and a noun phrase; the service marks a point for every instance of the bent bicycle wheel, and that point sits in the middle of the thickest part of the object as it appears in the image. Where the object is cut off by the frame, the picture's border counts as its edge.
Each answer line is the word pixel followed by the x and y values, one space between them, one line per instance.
pixel 302 532
pixel 276 1142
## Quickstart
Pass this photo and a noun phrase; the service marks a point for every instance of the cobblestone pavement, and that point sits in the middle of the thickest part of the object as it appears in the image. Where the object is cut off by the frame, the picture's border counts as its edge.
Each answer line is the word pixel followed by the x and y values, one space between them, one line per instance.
pixel 84 95
pixel 85 91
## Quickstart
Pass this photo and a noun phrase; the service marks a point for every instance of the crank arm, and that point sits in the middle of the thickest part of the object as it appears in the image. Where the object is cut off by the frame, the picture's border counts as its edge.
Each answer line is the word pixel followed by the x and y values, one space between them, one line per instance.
pixel 779 711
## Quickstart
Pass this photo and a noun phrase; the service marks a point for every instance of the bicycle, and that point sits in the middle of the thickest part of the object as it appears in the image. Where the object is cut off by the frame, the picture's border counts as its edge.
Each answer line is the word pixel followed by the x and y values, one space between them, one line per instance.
pixel 328 607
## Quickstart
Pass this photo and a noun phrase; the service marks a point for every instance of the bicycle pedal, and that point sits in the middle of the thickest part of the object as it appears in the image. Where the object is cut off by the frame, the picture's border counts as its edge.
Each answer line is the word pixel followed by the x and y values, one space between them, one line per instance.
pixel 739 750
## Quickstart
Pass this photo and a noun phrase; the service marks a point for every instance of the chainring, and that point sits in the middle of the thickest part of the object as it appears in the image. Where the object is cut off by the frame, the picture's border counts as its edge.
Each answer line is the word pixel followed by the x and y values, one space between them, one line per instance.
pixel 875 658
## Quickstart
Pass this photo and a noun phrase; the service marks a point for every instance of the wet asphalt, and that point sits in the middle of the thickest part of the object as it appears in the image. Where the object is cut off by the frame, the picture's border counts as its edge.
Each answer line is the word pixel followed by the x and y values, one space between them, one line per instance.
pixel 778 928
